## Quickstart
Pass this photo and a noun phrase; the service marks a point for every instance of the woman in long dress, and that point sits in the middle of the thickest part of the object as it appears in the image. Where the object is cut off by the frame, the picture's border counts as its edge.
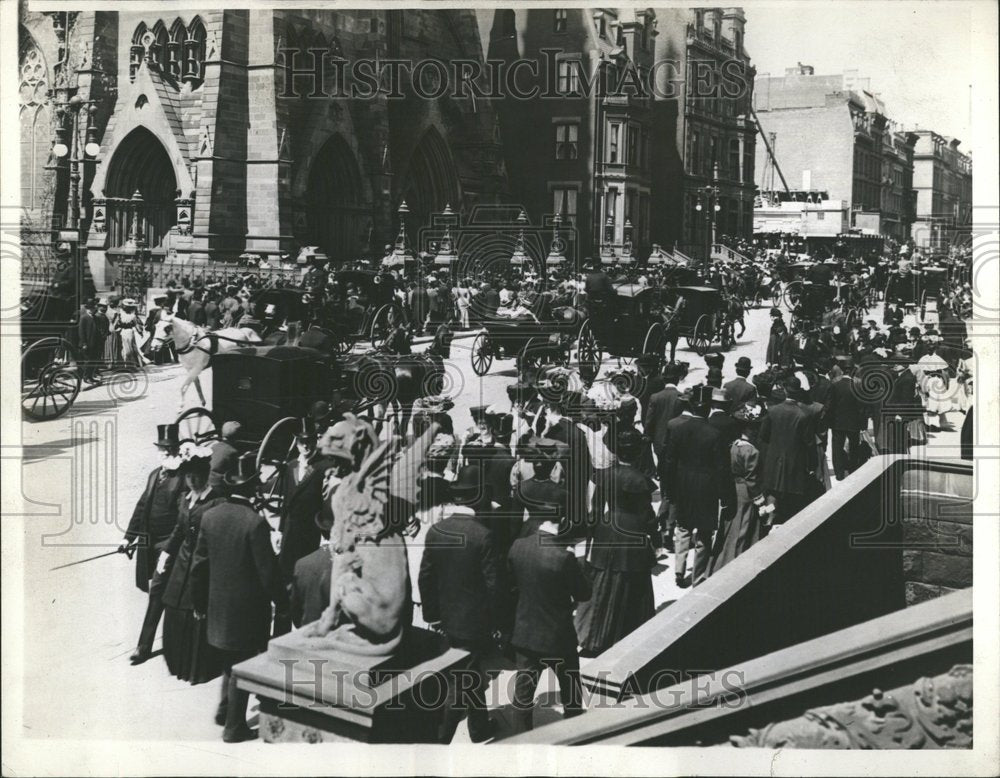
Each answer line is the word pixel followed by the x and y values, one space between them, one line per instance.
pixel 113 341
pixel 129 329
pixel 738 533
pixel 185 645
pixel 621 558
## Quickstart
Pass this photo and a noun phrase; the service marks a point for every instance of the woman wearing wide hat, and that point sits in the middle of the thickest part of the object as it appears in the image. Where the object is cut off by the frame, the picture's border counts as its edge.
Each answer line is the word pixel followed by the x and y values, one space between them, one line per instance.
pixel 621 557
pixel 738 533
pixel 185 647
pixel 129 328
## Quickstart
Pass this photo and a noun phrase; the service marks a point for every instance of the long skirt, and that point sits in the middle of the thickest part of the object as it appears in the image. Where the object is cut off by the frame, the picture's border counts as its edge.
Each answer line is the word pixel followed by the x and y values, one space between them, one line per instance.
pixel 621 602
pixel 739 533
pixel 186 648
pixel 131 355
pixel 113 350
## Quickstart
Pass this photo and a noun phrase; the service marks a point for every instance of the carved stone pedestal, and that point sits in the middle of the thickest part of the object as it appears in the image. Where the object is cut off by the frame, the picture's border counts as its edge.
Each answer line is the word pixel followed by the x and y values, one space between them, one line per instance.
pixel 313 694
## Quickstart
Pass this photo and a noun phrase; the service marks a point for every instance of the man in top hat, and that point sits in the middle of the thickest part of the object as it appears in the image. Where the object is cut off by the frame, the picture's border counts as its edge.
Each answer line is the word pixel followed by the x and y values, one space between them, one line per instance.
pixel 224 452
pixel 234 579
pixel 460 594
pixel 698 475
pixel 789 452
pixel 739 391
pixel 153 519
pixel 716 360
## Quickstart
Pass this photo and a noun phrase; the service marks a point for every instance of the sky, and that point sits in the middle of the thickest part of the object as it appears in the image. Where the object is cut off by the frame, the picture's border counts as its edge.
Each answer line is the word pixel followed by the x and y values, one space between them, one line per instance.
pixel 918 55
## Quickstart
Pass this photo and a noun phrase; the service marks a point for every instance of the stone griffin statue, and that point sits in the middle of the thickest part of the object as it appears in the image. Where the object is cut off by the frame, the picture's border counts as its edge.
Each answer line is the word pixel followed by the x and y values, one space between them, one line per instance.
pixel 369 581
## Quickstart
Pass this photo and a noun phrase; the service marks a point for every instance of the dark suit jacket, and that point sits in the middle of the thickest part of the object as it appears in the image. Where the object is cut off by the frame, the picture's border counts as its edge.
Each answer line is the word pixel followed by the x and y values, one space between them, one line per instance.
pixel 300 534
pixel 234 577
pixel 153 519
pixel 212 315
pixel 578 469
pixel 699 472
pixel 87 332
pixel 538 498
pixel 738 391
pixel 459 578
pixel 663 406
pixel 727 425
pixel 181 544
pixel 598 284
pixel 197 314
pixel 310 589
pixel 548 582
pixel 786 435
pixel 844 411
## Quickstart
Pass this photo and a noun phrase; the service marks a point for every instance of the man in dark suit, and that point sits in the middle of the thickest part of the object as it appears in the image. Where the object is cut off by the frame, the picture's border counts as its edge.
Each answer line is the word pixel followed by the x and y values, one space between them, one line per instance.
pixel 310 589
pixel 541 497
pixel 740 391
pixel 577 467
pixel 698 474
pixel 459 584
pixel 663 406
pixel 196 313
pixel 785 434
pixel 845 417
pixel 548 583
pixel 88 343
pixel 597 284
pixel 234 580
pixel 212 312
pixel 149 529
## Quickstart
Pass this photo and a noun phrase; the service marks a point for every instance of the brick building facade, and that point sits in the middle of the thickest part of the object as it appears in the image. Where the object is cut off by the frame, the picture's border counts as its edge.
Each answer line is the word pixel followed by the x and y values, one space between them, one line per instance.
pixel 833 134
pixel 202 154
pixel 942 183
pixel 712 140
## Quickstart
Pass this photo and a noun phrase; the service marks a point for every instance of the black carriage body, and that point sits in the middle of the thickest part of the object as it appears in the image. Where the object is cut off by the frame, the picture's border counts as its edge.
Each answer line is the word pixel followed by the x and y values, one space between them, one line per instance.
pixel 274 306
pixel 700 303
pixel 260 386
pixel 50 355
pixel 622 323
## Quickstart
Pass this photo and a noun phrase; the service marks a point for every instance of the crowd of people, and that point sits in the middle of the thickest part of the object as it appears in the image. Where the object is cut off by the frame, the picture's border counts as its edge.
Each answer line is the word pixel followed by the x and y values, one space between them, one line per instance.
pixel 567 499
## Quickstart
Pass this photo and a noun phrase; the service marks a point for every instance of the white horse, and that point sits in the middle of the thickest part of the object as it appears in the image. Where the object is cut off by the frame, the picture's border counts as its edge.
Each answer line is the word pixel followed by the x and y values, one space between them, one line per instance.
pixel 195 346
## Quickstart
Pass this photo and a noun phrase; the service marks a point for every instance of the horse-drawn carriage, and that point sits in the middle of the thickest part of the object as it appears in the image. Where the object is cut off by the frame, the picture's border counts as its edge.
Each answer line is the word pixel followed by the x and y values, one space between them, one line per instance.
pixel 50 373
pixel 700 315
pixel 543 336
pixel 627 324
pixel 789 280
pixel 362 306
pixel 267 389
pixel 934 288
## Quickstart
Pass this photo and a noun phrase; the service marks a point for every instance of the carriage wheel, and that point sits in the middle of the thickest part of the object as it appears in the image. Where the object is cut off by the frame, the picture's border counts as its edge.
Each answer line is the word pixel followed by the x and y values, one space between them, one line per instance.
pixel 655 341
pixel 701 339
pixel 482 354
pixel 528 358
pixel 274 452
pixel 340 341
pixel 198 425
pixel 922 311
pixel 793 292
pixel 50 382
pixel 381 325
pixel 588 351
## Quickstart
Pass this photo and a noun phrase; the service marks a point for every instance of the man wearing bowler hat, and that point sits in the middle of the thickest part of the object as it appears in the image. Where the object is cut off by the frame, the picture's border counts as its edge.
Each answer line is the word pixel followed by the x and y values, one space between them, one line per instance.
pixel 234 579
pixel 740 391
pixel 460 593
pixel 152 521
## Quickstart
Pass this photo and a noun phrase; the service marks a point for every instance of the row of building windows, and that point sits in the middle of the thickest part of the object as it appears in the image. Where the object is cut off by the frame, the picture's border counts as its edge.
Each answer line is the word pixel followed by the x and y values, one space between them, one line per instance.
pixel 704 152
pixel 178 52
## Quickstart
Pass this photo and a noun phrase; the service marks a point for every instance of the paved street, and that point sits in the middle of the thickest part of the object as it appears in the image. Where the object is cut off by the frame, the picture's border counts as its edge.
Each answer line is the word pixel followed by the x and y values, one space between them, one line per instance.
pixel 81 477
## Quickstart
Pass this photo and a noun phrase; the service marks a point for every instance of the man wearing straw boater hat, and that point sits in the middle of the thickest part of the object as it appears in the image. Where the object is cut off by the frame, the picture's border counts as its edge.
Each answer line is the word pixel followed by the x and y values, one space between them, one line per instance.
pixel 152 521
pixel 234 580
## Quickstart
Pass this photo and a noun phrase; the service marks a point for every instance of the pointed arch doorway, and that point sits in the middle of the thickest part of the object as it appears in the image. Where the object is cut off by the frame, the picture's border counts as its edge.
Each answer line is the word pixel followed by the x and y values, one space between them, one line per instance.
pixel 140 164
pixel 338 216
